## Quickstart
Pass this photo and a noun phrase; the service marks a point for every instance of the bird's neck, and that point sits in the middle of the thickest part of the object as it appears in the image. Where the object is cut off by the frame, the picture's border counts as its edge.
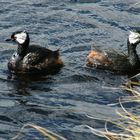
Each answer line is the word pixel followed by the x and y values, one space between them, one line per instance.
pixel 132 55
pixel 23 48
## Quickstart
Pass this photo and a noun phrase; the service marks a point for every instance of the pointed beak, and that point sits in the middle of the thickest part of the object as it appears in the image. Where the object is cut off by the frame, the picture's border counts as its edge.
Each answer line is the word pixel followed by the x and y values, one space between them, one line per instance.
pixel 9 39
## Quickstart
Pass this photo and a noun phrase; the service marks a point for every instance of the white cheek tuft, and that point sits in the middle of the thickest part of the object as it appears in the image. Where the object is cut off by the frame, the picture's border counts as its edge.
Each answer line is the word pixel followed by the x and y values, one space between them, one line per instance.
pixel 134 37
pixel 21 37
pixel 133 40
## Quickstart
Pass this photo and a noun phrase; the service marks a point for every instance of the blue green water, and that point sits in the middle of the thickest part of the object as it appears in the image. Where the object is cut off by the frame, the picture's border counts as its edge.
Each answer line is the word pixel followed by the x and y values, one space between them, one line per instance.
pixel 62 102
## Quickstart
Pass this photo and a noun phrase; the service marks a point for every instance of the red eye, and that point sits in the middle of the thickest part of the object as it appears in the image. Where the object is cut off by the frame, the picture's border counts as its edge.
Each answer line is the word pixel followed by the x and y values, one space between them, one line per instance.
pixel 13 37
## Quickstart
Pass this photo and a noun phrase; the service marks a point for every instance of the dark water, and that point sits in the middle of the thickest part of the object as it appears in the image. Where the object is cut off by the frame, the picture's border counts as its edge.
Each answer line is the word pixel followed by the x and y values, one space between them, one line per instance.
pixel 62 102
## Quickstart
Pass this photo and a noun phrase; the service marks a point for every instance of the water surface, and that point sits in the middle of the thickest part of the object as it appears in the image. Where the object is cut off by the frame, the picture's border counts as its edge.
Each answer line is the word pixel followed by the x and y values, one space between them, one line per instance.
pixel 62 102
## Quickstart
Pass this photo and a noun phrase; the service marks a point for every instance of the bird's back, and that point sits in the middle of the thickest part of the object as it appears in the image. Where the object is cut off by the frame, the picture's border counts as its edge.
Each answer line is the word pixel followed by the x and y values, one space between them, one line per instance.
pixel 36 60
pixel 108 59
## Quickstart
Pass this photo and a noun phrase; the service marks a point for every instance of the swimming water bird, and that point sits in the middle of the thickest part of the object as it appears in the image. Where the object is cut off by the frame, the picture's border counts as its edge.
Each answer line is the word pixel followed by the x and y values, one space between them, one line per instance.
pixel 114 61
pixel 32 59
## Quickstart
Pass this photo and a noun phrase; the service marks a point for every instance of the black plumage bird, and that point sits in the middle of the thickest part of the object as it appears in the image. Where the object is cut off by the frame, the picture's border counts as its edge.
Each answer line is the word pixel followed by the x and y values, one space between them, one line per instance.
pixel 32 59
pixel 115 61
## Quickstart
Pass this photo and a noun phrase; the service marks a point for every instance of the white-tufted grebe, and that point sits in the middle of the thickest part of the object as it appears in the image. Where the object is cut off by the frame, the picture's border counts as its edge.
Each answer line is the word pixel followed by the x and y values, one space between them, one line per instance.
pixel 115 61
pixel 32 59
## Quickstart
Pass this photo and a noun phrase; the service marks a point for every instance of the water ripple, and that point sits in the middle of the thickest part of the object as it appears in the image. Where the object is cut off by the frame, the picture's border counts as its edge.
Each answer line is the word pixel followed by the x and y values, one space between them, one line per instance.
pixel 62 102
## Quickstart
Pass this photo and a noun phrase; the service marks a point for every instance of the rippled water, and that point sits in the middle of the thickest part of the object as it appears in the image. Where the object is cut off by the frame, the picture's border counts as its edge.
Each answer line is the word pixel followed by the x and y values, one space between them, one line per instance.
pixel 62 102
